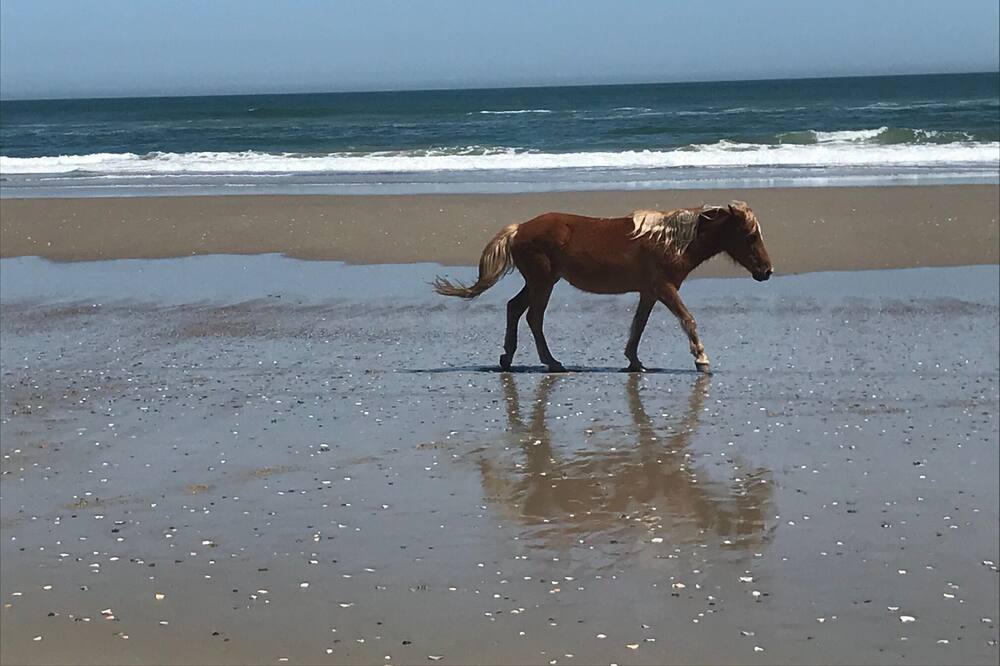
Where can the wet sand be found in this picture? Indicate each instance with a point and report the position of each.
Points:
(807, 229)
(317, 462)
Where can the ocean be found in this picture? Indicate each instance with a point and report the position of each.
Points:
(814, 132)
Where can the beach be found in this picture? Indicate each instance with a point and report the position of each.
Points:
(258, 406)
(808, 229)
(244, 430)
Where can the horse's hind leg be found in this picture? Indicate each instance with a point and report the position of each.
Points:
(538, 300)
(515, 308)
(646, 303)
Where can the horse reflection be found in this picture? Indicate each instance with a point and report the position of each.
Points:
(622, 491)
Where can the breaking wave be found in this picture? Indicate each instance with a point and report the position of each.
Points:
(515, 112)
(856, 148)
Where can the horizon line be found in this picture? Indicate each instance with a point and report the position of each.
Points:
(500, 87)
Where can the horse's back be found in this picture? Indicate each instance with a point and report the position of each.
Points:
(595, 254)
(563, 228)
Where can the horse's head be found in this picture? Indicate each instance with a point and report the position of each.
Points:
(742, 240)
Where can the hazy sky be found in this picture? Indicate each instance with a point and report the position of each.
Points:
(76, 48)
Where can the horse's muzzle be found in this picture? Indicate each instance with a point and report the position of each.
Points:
(760, 277)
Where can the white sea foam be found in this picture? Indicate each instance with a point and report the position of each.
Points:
(515, 112)
(882, 135)
(832, 149)
(736, 110)
(848, 135)
(900, 106)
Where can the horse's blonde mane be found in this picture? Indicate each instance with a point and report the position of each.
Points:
(673, 229)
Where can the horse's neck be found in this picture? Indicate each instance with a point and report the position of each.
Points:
(698, 252)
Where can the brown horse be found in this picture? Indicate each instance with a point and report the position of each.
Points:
(649, 252)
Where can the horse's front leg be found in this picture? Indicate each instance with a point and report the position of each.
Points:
(672, 299)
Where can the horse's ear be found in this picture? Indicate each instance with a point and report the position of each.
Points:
(738, 208)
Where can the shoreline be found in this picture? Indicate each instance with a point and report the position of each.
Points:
(806, 229)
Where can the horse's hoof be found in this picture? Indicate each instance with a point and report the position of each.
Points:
(505, 363)
(557, 367)
(703, 367)
(635, 367)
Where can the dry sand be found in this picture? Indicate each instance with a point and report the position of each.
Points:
(807, 229)
(244, 459)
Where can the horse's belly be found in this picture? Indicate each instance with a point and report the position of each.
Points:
(603, 280)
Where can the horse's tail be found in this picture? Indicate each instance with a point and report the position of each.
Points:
(493, 265)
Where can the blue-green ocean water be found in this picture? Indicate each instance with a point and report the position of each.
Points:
(934, 128)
